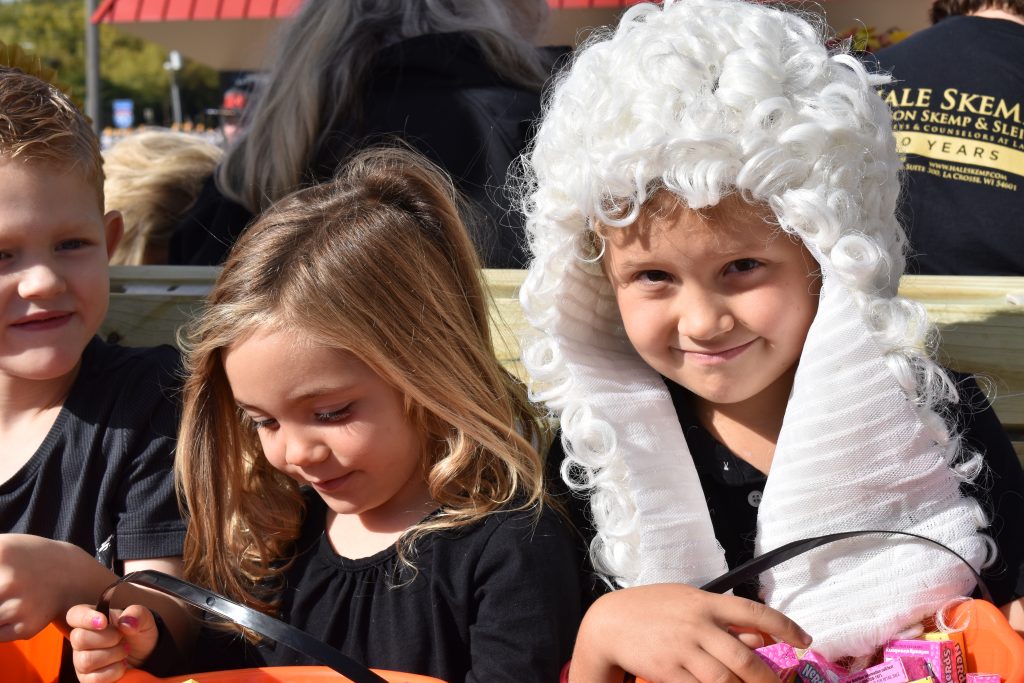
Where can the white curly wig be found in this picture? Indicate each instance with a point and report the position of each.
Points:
(704, 99)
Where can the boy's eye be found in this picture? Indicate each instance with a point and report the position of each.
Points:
(333, 415)
(68, 245)
(743, 265)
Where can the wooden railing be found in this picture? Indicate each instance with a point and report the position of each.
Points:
(980, 321)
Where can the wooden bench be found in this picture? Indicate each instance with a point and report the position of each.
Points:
(980, 320)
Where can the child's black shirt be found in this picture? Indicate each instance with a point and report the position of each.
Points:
(732, 488)
(102, 478)
(498, 600)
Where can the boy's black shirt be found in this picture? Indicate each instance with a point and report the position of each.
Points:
(102, 478)
(439, 94)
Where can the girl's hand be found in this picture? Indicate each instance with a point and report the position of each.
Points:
(103, 652)
(674, 633)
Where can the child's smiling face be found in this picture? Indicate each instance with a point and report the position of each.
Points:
(718, 301)
(54, 283)
(328, 420)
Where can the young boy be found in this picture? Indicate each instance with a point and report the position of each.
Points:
(87, 429)
(716, 256)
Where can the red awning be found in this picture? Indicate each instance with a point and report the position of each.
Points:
(121, 11)
(596, 4)
(232, 35)
(124, 11)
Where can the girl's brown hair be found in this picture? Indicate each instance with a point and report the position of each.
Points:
(379, 264)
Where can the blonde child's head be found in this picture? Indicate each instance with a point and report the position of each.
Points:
(698, 120)
(376, 265)
(55, 239)
(152, 178)
(39, 124)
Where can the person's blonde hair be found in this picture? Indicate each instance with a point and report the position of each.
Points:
(40, 124)
(376, 263)
(153, 177)
(320, 65)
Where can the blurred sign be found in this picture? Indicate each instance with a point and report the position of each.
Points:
(124, 113)
(173, 62)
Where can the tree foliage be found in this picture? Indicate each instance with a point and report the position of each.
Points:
(130, 68)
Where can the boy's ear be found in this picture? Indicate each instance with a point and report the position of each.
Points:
(113, 227)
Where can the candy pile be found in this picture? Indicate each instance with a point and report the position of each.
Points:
(934, 658)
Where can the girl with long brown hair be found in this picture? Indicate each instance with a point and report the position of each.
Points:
(353, 456)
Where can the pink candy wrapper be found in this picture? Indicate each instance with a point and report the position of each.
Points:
(779, 657)
(943, 657)
(809, 672)
(890, 671)
(832, 673)
(983, 678)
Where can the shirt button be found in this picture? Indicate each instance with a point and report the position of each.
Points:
(754, 498)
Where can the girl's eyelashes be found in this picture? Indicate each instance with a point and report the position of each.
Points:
(656, 278)
(253, 423)
(743, 265)
(329, 416)
(652, 276)
(268, 423)
(334, 415)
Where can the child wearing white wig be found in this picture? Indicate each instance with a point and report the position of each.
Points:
(716, 257)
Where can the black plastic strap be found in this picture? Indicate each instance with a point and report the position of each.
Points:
(266, 626)
(752, 568)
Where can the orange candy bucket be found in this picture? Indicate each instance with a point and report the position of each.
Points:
(275, 674)
(990, 643)
(36, 660)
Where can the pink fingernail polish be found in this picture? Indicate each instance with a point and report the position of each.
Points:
(130, 622)
(97, 622)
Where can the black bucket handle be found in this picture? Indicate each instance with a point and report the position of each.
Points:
(751, 568)
(260, 623)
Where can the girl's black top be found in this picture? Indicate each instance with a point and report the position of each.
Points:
(497, 601)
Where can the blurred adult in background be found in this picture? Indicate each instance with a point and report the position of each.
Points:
(234, 103)
(958, 113)
(458, 80)
(153, 178)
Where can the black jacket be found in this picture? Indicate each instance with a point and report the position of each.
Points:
(438, 94)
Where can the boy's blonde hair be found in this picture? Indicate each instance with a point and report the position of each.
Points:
(153, 177)
(379, 264)
(40, 124)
